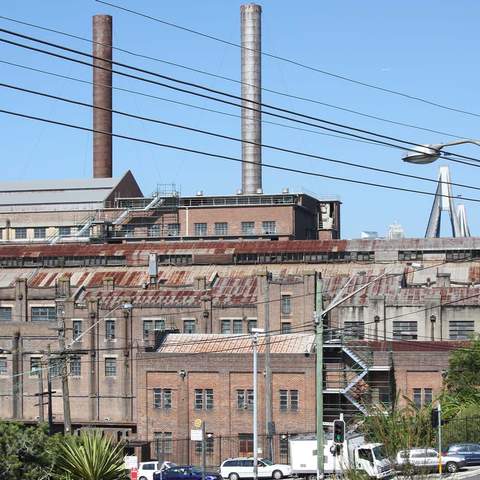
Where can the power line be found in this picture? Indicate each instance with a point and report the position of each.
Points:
(222, 77)
(447, 155)
(189, 105)
(228, 137)
(233, 159)
(296, 63)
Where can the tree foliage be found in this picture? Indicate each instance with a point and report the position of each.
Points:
(90, 456)
(462, 380)
(26, 453)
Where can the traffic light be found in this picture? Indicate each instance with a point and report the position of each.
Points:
(338, 431)
(435, 417)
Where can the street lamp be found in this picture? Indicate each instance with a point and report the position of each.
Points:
(255, 332)
(423, 154)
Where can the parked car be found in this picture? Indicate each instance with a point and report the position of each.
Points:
(183, 472)
(470, 451)
(236, 468)
(428, 459)
(147, 469)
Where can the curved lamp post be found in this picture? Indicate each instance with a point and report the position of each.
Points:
(423, 154)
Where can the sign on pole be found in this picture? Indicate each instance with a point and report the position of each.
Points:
(131, 461)
(196, 435)
(197, 423)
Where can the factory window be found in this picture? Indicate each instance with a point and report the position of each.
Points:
(248, 228)
(189, 326)
(283, 447)
(64, 231)
(154, 230)
(39, 232)
(55, 367)
(404, 330)
(225, 326)
(460, 330)
(251, 324)
(76, 329)
(20, 233)
(245, 399)
(203, 399)
(286, 304)
(109, 329)
(152, 325)
(3, 366)
(200, 229)
(162, 398)
(43, 314)
(237, 326)
(354, 330)
(163, 442)
(286, 327)
(269, 227)
(410, 255)
(221, 228)
(288, 400)
(75, 366)
(422, 397)
(110, 367)
(173, 229)
(35, 366)
(209, 445)
(5, 314)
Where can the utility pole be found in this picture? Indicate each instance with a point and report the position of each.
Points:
(318, 318)
(41, 393)
(255, 332)
(49, 395)
(204, 450)
(65, 390)
(269, 427)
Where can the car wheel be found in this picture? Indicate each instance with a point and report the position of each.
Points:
(142, 478)
(277, 475)
(312, 477)
(451, 467)
(233, 476)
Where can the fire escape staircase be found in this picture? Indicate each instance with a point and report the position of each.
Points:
(359, 368)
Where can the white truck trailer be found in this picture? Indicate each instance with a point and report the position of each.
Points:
(354, 453)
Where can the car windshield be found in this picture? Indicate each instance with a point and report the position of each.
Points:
(379, 452)
(266, 461)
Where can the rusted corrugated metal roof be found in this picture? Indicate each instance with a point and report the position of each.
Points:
(218, 343)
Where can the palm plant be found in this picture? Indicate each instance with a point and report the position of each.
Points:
(90, 456)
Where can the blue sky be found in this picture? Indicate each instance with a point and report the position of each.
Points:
(427, 49)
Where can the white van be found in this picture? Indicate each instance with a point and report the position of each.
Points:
(236, 468)
(147, 469)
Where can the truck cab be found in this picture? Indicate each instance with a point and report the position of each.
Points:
(371, 459)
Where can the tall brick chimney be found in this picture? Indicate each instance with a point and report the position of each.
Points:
(102, 96)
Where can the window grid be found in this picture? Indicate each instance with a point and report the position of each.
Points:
(221, 228)
(35, 365)
(286, 304)
(283, 444)
(289, 400)
(237, 326)
(64, 231)
(163, 442)
(3, 366)
(43, 314)
(189, 326)
(110, 367)
(162, 398)
(245, 399)
(20, 233)
(200, 229)
(109, 329)
(403, 330)
(286, 327)
(5, 314)
(173, 229)
(225, 326)
(203, 399)
(76, 328)
(248, 228)
(39, 232)
(251, 324)
(75, 366)
(269, 227)
(209, 445)
(354, 330)
(461, 329)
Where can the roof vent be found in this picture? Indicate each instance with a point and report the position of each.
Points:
(259, 191)
(286, 190)
(239, 191)
(199, 193)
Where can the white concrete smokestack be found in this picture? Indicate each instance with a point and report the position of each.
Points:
(251, 34)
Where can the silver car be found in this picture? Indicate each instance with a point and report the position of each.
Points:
(428, 459)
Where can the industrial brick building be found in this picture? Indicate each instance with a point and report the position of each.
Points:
(398, 332)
